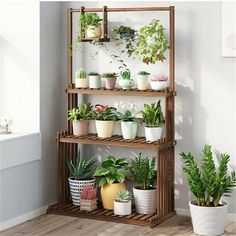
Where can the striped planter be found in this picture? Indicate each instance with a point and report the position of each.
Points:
(77, 186)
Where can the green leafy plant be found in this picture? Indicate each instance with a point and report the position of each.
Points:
(109, 75)
(153, 115)
(143, 171)
(125, 32)
(94, 74)
(152, 42)
(111, 170)
(82, 169)
(126, 74)
(123, 196)
(143, 73)
(83, 112)
(80, 74)
(208, 183)
(104, 112)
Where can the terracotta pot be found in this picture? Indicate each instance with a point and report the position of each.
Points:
(110, 82)
(80, 127)
(104, 128)
(108, 192)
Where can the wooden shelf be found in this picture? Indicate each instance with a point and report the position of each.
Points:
(119, 91)
(116, 140)
(69, 209)
(95, 40)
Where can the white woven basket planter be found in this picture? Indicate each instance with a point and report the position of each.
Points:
(77, 186)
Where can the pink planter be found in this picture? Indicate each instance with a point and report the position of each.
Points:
(110, 82)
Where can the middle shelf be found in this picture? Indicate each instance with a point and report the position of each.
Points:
(115, 140)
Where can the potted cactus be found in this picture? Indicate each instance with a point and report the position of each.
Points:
(122, 203)
(126, 82)
(154, 120)
(94, 80)
(81, 79)
(88, 198)
(81, 175)
(159, 82)
(81, 118)
(110, 79)
(142, 80)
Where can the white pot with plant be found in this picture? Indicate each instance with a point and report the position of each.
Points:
(81, 80)
(90, 25)
(153, 120)
(126, 82)
(145, 194)
(81, 117)
(110, 79)
(5, 125)
(94, 80)
(159, 82)
(142, 80)
(127, 112)
(123, 203)
(105, 118)
(208, 184)
(88, 198)
(81, 175)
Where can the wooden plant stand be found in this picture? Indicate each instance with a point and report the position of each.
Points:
(165, 148)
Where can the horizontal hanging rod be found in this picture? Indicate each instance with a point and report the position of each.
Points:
(122, 9)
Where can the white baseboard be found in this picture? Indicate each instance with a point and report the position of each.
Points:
(22, 218)
(186, 212)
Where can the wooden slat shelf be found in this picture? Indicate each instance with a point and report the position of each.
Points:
(116, 140)
(119, 91)
(69, 209)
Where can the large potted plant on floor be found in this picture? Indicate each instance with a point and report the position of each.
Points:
(208, 184)
(80, 118)
(81, 175)
(112, 176)
(145, 194)
(105, 117)
(123, 203)
(153, 120)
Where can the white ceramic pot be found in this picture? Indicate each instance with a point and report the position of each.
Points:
(94, 32)
(122, 208)
(159, 85)
(95, 81)
(153, 133)
(142, 82)
(126, 83)
(129, 129)
(81, 83)
(104, 128)
(145, 200)
(208, 220)
(77, 186)
(80, 127)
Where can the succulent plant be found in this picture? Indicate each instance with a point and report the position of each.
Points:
(80, 74)
(88, 193)
(109, 75)
(94, 74)
(143, 73)
(123, 196)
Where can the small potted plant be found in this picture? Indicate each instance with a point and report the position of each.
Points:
(90, 25)
(5, 125)
(81, 79)
(94, 80)
(105, 117)
(159, 82)
(88, 198)
(81, 175)
(126, 82)
(81, 118)
(145, 194)
(127, 113)
(122, 203)
(112, 176)
(142, 80)
(208, 184)
(110, 79)
(125, 32)
(154, 120)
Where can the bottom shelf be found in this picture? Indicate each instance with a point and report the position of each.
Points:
(68, 209)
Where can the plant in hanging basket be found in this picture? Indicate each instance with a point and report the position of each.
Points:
(88, 198)
(208, 184)
(122, 203)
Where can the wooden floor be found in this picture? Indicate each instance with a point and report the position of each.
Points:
(69, 226)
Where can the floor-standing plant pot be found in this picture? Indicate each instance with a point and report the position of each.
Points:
(81, 83)
(145, 200)
(93, 32)
(159, 85)
(80, 127)
(129, 129)
(122, 208)
(126, 83)
(108, 192)
(110, 83)
(104, 128)
(142, 82)
(153, 133)
(208, 220)
(77, 186)
(94, 81)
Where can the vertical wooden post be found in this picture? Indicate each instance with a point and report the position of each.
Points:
(104, 30)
